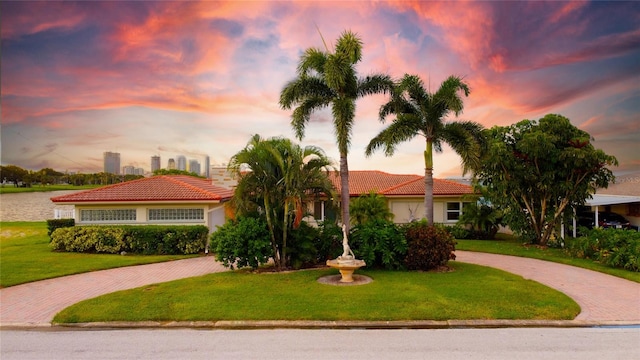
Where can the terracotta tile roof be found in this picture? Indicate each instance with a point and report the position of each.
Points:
(362, 182)
(155, 188)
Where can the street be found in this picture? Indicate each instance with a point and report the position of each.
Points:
(507, 343)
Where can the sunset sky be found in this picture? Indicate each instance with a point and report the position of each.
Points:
(194, 78)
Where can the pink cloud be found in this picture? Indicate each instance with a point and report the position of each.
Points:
(39, 18)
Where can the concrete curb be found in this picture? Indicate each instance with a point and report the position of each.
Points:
(308, 325)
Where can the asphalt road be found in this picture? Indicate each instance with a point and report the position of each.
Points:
(507, 343)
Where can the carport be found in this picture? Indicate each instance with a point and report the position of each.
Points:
(605, 200)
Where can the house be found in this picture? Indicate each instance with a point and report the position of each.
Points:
(158, 200)
(182, 199)
(404, 195)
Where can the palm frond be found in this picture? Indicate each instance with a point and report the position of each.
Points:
(467, 140)
(403, 128)
(350, 45)
(313, 59)
(374, 84)
(344, 112)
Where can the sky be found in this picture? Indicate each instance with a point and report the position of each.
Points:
(190, 78)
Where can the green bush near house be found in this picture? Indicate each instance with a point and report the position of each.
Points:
(429, 246)
(147, 240)
(612, 247)
(380, 243)
(242, 242)
(53, 224)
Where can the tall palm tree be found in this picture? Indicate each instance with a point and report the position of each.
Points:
(419, 112)
(281, 176)
(329, 79)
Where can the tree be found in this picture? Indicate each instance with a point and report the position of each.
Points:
(483, 219)
(13, 174)
(276, 176)
(535, 171)
(419, 112)
(368, 208)
(176, 172)
(330, 79)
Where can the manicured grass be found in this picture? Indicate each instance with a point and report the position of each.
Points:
(468, 292)
(26, 256)
(506, 245)
(42, 188)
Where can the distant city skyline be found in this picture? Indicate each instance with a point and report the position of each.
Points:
(199, 78)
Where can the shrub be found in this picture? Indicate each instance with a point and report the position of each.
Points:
(301, 249)
(612, 247)
(459, 232)
(371, 207)
(109, 240)
(243, 242)
(429, 247)
(380, 244)
(328, 244)
(53, 224)
(135, 239)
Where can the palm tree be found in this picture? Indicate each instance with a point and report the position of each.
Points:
(281, 176)
(419, 112)
(330, 79)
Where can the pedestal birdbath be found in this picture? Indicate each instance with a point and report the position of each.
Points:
(347, 262)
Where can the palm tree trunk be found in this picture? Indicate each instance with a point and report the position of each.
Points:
(344, 190)
(428, 182)
(285, 228)
(267, 210)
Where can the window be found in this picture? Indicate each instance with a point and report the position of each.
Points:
(318, 210)
(176, 214)
(111, 215)
(454, 210)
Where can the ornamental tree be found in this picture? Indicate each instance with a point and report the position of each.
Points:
(534, 171)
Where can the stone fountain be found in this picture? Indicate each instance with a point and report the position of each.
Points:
(347, 262)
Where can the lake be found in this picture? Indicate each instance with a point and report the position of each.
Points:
(35, 206)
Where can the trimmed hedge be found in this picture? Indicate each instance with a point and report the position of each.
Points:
(53, 224)
(147, 240)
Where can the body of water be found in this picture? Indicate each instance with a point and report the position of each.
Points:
(35, 206)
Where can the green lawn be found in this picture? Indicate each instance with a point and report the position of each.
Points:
(26, 256)
(41, 188)
(468, 292)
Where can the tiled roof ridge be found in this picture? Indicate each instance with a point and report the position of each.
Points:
(175, 179)
(397, 186)
(101, 188)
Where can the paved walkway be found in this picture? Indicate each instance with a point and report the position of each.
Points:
(601, 297)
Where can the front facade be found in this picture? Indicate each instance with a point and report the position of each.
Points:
(404, 195)
(158, 200)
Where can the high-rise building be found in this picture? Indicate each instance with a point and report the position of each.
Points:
(128, 170)
(194, 166)
(138, 171)
(111, 162)
(171, 165)
(155, 163)
(207, 166)
(181, 162)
